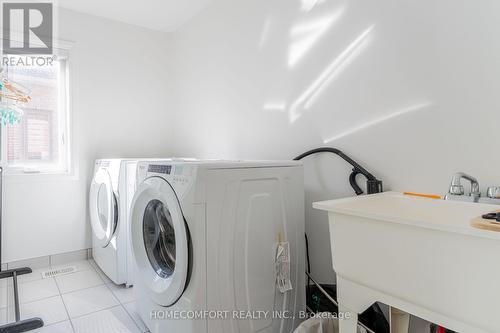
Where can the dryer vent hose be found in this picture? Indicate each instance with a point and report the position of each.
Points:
(373, 185)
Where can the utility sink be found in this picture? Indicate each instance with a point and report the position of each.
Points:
(416, 254)
(446, 215)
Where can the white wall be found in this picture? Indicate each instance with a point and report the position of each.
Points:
(411, 88)
(408, 88)
(119, 108)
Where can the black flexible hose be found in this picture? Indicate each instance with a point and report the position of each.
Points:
(373, 184)
(308, 264)
(352, 181)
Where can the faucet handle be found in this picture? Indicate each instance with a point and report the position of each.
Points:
(493, 192)
(457, 189)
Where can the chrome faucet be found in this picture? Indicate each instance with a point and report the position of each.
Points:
(456, 191)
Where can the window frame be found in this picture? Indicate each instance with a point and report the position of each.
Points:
(65, 166)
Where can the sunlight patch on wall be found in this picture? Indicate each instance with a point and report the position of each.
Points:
(308, 5)
(274, 107)
(338, 65)
(376, 121)
(305, 34)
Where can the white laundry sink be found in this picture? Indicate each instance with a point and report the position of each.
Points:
(419, 255)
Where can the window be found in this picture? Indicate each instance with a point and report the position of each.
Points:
(39, 142)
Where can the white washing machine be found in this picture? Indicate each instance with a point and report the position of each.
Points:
(204, 238)
(111, 193)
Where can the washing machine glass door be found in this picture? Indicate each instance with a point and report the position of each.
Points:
(160, 240)
(103, 208)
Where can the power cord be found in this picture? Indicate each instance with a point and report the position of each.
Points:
(373, 185)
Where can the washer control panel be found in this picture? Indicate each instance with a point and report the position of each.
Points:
(158, 168)
(179, 176)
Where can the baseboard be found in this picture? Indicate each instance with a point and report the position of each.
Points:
(52, 260)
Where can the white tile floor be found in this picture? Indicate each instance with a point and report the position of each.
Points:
(82, 302)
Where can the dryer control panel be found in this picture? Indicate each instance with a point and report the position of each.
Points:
(112, 167)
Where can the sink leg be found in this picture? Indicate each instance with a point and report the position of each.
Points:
(348, 324)
(400, 321)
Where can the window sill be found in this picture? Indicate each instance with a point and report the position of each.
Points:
(42, 177)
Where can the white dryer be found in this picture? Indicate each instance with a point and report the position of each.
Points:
(204, 237)
(111, 193)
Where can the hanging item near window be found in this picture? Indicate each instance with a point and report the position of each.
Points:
(12, 97)
(10, 114)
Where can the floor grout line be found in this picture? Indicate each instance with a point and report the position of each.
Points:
(112, 293)
(38, 300)
(45, 298)
(86, 288)
(52, 277)
(32, 301)
(65, 307)
(8, 309)
(130, 315)
(96, 311)
(123, 307)
(104, 284)
(57, 322)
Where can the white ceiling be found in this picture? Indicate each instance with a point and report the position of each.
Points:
(162, 15)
